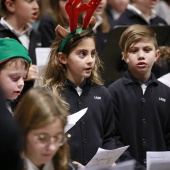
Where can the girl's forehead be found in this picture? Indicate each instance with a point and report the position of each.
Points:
(86, 43)
(52, 128)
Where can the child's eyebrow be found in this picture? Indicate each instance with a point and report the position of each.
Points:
(16, 73)
(82, 49)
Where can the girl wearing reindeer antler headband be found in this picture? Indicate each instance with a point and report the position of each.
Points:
(72, 71)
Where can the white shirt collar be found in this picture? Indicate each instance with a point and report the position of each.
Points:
(115, 14)
(143, 86)
(30, 166)
(8, 105)
(18, 34)
(79, 90)
(137, 11)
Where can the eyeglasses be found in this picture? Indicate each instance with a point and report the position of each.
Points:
(44, 139)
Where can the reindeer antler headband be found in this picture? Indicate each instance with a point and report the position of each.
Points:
(73, 9)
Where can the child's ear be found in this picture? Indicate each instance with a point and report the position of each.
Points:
(126, 59)
(61, 32)
(62, 58)
(10, 5)
(157, 55)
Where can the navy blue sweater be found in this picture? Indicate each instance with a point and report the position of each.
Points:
(95, 128)
(143, 120)
(129, 18)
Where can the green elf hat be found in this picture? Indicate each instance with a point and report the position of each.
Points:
(11, 48)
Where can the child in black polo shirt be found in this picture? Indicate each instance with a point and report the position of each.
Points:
(141, 103)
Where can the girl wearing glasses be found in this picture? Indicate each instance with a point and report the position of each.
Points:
(42, 118)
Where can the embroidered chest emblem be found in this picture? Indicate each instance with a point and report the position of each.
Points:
(97, 97)
(162, 99)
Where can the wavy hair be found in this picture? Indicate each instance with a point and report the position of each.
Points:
(55, 73)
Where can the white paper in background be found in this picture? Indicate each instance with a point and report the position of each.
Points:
(73, 118)
(42, 55)
(158, 160)
(105, 158)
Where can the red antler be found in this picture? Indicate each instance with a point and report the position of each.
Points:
(73, 12)
(93, 4)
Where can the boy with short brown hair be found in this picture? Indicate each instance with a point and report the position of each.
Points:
(141, 102)
(14, 66)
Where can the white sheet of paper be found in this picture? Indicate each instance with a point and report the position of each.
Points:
(158, 160)
(105, 158)
(42, 55)
(72, 119)
(68, 126)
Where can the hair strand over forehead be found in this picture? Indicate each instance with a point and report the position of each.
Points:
(135, 33)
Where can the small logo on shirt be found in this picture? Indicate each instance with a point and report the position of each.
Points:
(162, 99)
(97, 97)
(39, 44)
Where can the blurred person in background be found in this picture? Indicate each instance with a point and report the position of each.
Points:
(55, 15)
(115, 8)
(164, 58)
(42, 128)
(17, 17)
(102, 27)
(163, 10)
(140, 12)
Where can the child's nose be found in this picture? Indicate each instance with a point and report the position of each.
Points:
(35, 5)
(90, 59)
(21, 82)
(52, 146)
(141, 54)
